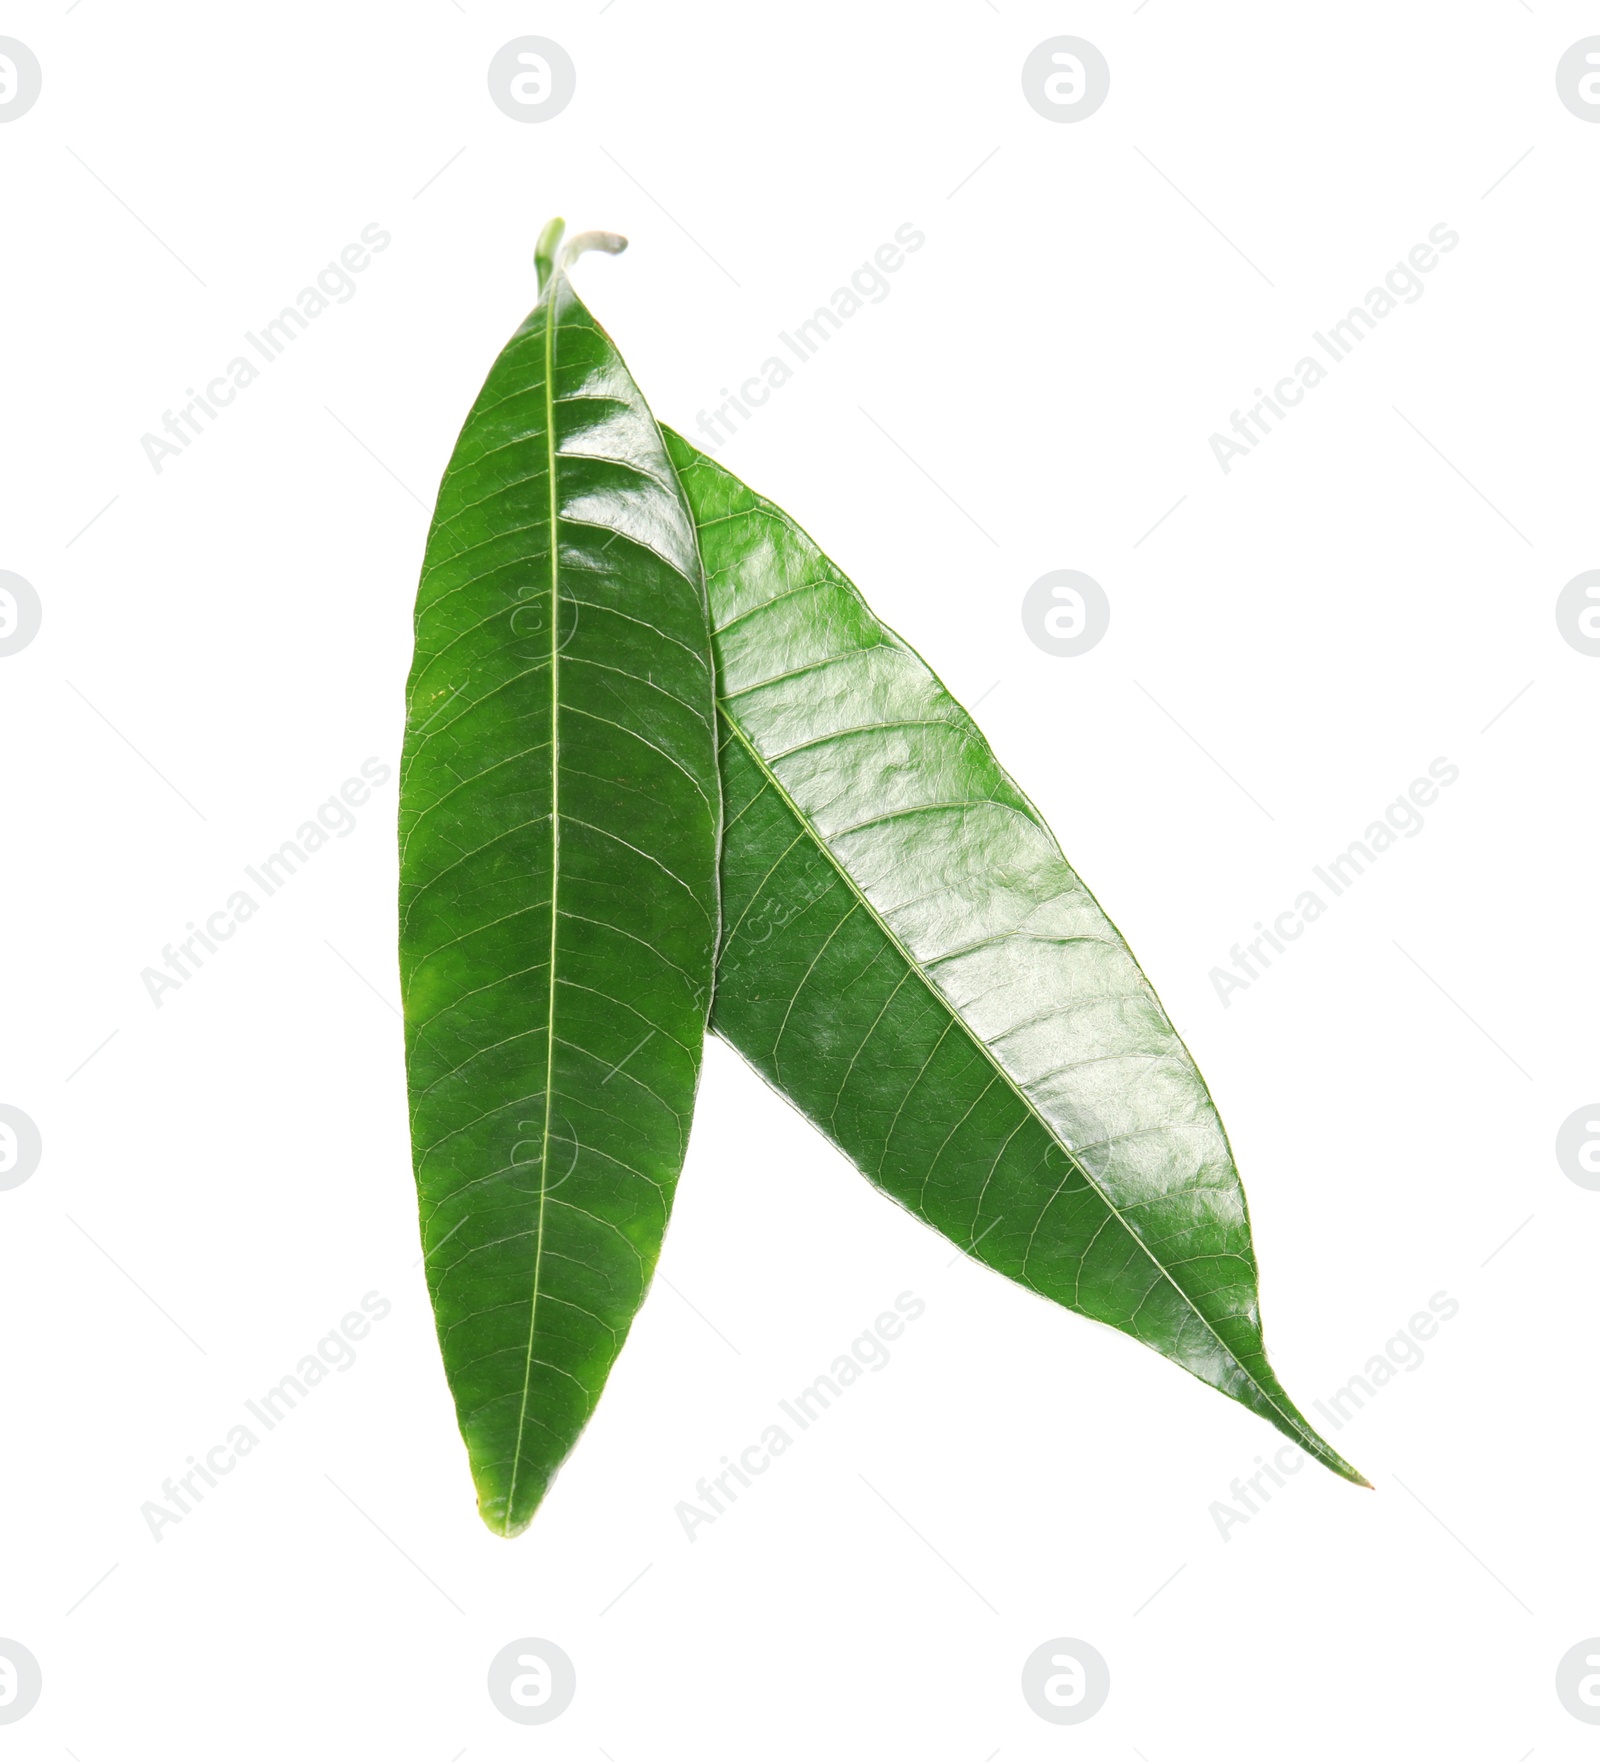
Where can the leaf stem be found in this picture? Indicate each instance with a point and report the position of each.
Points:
(544, 252)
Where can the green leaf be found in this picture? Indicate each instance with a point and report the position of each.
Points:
(560, 812)
(908, 957)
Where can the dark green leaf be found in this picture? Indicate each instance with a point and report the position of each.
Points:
(559, 821)
(908, 957)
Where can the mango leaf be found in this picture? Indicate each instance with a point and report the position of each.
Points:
(559, 819)
(909, 959)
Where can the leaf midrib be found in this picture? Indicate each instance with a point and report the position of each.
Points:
(1298, 1427)
(555, 880)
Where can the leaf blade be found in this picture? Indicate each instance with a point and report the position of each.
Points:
(560, 812)
(908, 957)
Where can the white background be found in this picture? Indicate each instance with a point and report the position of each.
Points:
(1347, 604)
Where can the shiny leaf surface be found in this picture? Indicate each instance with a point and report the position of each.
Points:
(559, 822)
(908, 957)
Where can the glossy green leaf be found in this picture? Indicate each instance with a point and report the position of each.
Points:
(908, 957)
(559, 819)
